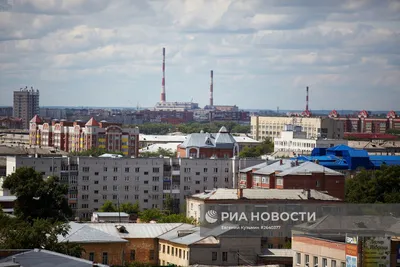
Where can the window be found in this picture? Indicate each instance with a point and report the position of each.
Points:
(146, 173)
(91, 256)
(104, 196)
(151, 256)
(115, 187)
(104, 188)
(105, 258)
(146, 182)
(85, 178)
(115, 178)
(127, 178)
(317, 183)
(307, 260)
(104, 178)
(226, 179)
(187, 170)
(115, 169)
(163, 248)
(172, 251)
(315, 261)
(96, 173)
(133, 255)
(96, 182)
(167, 249)
(197, 173)
(279, 181)
(226, 169)
(85, 169)
(126, 187)
(156, 170)
(298, 258)
(205, 179)
(214, 256)
(137, 169)
(156, 179)
(324, 262)
(180, 253)
(197, 182)
(215, 170)
(215, 179)
(342, 264)
(205, 170)
(224, 256)
(105, 169)
(333, 263)
(187, 179)
(126, 169)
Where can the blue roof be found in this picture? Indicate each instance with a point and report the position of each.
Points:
(378, 161)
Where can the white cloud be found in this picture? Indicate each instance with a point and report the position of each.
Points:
(263, 52)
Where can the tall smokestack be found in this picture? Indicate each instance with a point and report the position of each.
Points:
(307, 100)
(163, 77)
(212, 88)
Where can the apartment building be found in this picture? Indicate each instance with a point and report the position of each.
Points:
(294, 141)
(26, 105)
(314, 127)
(92, 180)
(80, 136)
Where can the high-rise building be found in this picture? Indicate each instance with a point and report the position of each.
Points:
(26, 105)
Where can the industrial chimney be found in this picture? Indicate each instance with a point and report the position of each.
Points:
(307, 100)
(163, 78)
(211, 89)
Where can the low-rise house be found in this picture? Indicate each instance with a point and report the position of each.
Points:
(7, 203)
(110, 217)
(41, 257)
(99, 246)
(188, 245)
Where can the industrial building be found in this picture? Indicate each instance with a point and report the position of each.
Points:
(348, 160)
(26, 105)
(80, 136)
(93, 180)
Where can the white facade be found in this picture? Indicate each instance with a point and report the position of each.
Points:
(176, 106)
(271, 127)
(92, 181)
(294, 140)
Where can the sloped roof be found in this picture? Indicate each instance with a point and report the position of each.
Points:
(111, 214)
(281, 194)
(92, 122)
(36, 119)
(258, 166)
(271, 168)
(209, 140)
(135, 230)
(307, 168)
(45, 258)
(82, 233)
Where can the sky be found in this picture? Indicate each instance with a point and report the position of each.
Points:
(263, 52)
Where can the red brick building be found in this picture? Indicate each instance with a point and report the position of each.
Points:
(288, 174)
(207, 145)
(364, 123)
(11, 123)
(80, 136)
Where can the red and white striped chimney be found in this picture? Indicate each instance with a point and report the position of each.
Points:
(163, 78)
(212, 88)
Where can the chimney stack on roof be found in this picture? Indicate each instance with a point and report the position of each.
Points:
(240, 193)
(281, 162)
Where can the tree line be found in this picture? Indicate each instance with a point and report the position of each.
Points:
(192, 127)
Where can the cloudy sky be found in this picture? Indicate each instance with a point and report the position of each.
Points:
(263, 52)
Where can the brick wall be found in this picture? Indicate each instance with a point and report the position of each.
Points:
(114, 250)
(142, 248)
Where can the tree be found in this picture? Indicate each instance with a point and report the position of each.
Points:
(38, 198)
(265, 147)
(176, 218)
(169, 204)
(108, 206)
(130, 208)
(159, 152)
(378, 186)
(150, 215)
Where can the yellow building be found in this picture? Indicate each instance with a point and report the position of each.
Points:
(271, 127)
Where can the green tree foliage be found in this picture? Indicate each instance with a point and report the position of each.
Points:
(94, 152)
(176, 218)
(393, 131)
(151, 215)
(160, 151)
(108, 206)
(169, 204)
(266, 147)
(379, 186)
(41, 211)
(163, 217)
(193, 127)
(38, 198)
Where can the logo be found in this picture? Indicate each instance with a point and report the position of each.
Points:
(211, 216)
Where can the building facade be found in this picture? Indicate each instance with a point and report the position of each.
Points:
(314, 127)
(79, 136)
(92, 181)
(206, 145)
(11, 123)
(364, 123)
(294, 141)
(26, 105)
(6, 111)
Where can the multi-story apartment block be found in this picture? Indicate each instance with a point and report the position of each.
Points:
(6, 111)
(314, 127)
(92, 180)
(26, 105)
(79, 136)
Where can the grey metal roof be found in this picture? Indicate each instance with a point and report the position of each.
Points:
(135, 230)
(222, 139)
(82, 233)
(307, 168)
(45, 258)
(111, 214)
(334, 224)
(278, 253)
(267, 170)
(232, 194)
(258, 166)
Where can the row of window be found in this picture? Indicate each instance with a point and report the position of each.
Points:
(205, 170)
(177, 252)
(316, 262)
(116, 169)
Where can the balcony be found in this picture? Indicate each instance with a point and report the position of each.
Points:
(176, 172)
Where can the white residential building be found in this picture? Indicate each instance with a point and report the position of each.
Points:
(92, 180)
(293, 140)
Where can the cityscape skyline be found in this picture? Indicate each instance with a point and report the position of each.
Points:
(263, 53)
